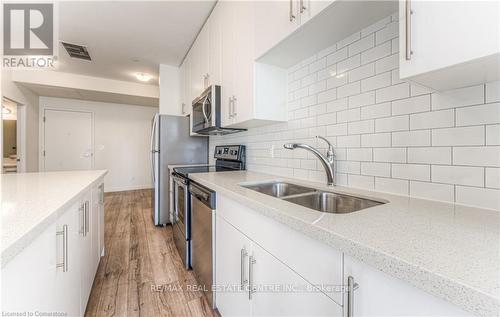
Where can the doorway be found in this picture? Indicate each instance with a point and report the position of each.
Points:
(10, 136)
(67, 140)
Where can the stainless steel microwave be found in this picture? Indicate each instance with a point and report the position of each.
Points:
(207, 113)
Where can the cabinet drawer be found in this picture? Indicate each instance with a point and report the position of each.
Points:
(316, 262)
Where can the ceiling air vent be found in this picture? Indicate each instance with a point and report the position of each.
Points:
(77, 51)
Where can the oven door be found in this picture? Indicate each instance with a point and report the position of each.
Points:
(204, 110)
(181, 205)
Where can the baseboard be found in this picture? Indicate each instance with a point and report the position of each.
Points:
(125, 188)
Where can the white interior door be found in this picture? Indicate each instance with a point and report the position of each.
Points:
(67, 140)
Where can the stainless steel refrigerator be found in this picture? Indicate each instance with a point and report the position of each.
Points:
(171, 143)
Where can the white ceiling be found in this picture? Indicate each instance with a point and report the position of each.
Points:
(126, 37)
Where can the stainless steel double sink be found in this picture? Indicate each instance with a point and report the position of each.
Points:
(323, 201)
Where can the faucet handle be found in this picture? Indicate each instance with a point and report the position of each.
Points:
(329, 153)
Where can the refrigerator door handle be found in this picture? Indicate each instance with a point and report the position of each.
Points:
(153, 151)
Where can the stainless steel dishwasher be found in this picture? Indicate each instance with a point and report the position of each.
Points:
(203, 238)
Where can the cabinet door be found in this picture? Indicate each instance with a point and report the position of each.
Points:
(215, 46)
(379, 294)
(228, 59)
(274, 20)
(86, 257)
(94, 229)
(243, 67)
(67, 282)
(28, 279)
(308, 9)
(231, 269)
(289, 295)
(182, 81)
(440, 36)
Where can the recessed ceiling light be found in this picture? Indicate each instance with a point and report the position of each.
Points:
(143, 76)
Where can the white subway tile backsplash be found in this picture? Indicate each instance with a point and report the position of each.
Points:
(493, 92)
(458, 97)
(399, 123)
(411, 171)
(361, 72)
(461, 175)
(327, 95)
(388, 63)
(361, 181)
(394, 155)
(492, 177)
(481, 197)
(361, 45)
(389, 134)
(390, 185)
(433, 191)
(458, 136)
(376, 140)
(349, 115)
(411, 105)
(367, 98)
(387, 33)
(430, 155)
(375, 82)
(484, 114)
(433, 119)
(349, 89)
(399, 91)
(360, 127)
(360, 154)
(477, 156)
(412, 138)
(493, 134)
(376, 169)
(337, 56)
(348, 64)
(375, 53)
(376, 111)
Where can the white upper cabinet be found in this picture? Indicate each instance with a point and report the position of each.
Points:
(449, 44)
(274, 20)
(215, 47)
(199, 61)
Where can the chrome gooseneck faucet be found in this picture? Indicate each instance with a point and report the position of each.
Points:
(327, 161)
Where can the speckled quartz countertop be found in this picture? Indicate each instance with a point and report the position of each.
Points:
(450, 251)
(30, 202)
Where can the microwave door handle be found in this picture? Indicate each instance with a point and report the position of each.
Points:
(203, 109)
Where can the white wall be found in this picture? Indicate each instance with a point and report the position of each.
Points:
(389, 135)
(121, 138)
(28, 113)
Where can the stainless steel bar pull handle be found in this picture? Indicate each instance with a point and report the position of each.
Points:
(64, 234)
(82, 219)
(230, 107)
(234, 106)
(251, 288)
(408, 13)
(243, 257)
(351, 287)
(292, 17)
(87, 217)
(302, 6)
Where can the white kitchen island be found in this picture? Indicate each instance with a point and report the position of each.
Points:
(52, 239)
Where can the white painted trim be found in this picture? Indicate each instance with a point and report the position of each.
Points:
(41, 143)
(126, 188)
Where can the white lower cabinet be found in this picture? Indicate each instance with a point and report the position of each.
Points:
(379, 294)
(252, 282)
(281, 265)
(56, 271)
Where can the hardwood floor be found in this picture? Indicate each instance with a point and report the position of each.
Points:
(141, 273)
